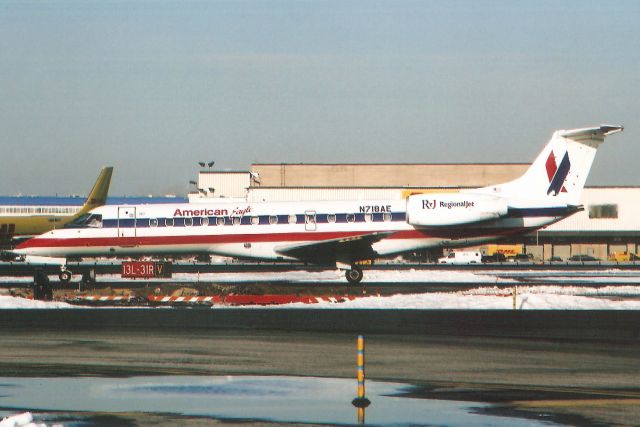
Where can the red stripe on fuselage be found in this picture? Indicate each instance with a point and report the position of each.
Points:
(42, 242)
(185, 240)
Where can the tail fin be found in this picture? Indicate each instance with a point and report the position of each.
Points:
(98, 195)
(560, 171)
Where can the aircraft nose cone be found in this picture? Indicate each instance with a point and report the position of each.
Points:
(23, 248)
(19, 252)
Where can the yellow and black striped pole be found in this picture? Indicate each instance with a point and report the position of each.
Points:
(360, 401)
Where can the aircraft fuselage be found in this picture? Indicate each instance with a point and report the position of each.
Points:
(259, 230)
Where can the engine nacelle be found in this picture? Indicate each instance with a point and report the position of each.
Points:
(442, 209)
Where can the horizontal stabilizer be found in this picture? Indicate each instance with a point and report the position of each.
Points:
(602, 130)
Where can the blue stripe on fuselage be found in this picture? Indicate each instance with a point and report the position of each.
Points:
(339, 218)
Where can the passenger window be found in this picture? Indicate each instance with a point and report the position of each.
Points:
(168, 222)
(386, 217)
(368, 217)
(273, 219)
(220, 220)
(292, 219)
(188, 222)
(153, 222)
(331, 218)
(255, 220)
(204, 221)
(236, 220)
(351, 217)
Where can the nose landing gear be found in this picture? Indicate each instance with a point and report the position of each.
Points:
(64, 276)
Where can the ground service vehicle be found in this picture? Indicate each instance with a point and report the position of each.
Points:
(623, 257)
(495, 257)
(583, 258)
(461, 257)
(523, 258)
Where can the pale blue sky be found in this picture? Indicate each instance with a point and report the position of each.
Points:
(154, 87)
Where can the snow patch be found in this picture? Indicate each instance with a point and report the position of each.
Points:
(528, 298)
(17, 302)
(20, 420)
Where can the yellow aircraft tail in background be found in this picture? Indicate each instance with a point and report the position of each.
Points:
(98, 195)
(15, 228)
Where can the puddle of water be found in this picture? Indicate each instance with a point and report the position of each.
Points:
(268, 398)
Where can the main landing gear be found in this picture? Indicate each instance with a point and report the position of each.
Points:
(88, 277)
(354, 275)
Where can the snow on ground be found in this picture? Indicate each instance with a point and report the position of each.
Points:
(431, 276)
(337, 276)
(481, 298)
(531, 296)
(410, 275)
(324, 276)
(17, 302)
(20, 420)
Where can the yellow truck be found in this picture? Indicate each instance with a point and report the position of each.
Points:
(507, 250)
(623, 256)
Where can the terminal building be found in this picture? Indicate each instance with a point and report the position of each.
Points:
(66, 205)
(608, 224)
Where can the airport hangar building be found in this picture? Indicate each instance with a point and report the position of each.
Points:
(610, 221)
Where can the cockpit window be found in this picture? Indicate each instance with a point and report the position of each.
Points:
(78, 221)
(86, 220)
(95, 221)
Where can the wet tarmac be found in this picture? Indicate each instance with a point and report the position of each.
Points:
(309, 400)
(576, 368)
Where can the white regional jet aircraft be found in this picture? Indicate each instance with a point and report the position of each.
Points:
(340, 232)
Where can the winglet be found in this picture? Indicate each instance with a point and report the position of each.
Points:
(98, 195)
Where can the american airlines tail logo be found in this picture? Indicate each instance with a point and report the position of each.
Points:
(557, 174)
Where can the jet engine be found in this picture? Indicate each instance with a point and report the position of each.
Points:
(444, 209)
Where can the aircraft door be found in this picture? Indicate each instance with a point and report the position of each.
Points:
(127, 221)
(310, 220)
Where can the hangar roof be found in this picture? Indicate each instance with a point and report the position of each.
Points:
(385, 174)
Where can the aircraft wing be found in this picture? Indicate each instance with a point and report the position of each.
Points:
(352, 248)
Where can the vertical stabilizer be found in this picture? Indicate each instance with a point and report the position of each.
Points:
(557, 176)
(98, 195)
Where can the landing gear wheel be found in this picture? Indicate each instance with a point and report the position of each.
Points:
(354, 275)
(65, 276)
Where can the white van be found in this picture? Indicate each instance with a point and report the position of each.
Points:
(463, 257)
